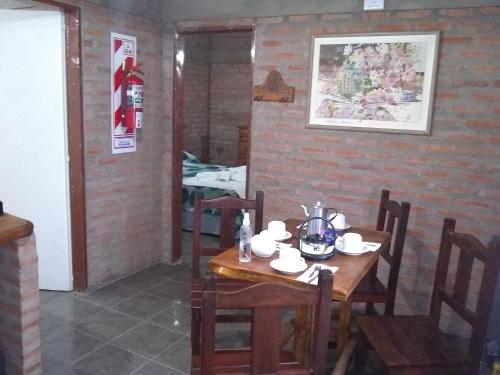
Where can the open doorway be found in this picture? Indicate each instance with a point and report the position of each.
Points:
(212, 116)
(44, 159)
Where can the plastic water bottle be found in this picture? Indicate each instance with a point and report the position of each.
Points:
(245, 237)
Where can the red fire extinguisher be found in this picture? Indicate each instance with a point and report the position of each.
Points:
(132, 99)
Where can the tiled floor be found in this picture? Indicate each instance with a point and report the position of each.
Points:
(137, 325)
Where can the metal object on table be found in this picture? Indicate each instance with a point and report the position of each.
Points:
(317, 245)
(315, 215)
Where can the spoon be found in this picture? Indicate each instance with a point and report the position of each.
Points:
(314, 274)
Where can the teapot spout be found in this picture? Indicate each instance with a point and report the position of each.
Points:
(305, 210)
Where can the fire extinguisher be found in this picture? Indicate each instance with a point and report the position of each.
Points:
(132, 99)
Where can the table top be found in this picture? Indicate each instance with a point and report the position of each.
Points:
(351, 268)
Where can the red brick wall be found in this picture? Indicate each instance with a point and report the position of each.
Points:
(19, 307)
(196, 93)
(454, 172)
(230, 94)
(122, 191)
(217, 93)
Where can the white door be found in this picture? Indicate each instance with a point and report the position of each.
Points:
(33, 139)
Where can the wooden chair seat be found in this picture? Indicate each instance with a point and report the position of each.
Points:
(404, 342)
(413, 345)
(370, 291)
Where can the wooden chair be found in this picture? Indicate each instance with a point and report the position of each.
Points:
(415, 344)
(371, 290)
(267, 301)
(228, 207)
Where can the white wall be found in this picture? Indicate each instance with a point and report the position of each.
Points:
(33, 167)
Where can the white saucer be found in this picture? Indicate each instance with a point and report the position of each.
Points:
(366, 248)
(283, 236)
(279, 266)
(347, 226)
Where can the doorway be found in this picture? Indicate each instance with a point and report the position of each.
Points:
(212, 115)
(42, 172)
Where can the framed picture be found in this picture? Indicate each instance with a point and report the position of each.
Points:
(376, 82)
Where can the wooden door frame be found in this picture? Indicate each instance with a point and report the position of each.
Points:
(178, 124)
(72, 18)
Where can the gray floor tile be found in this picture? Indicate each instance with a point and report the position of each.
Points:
(153, 368)
(171, 290)
(177, 356)
(177, 318)
(109, 295)
(179, 272)
(53, 367)
(162, 269)
(67, 346)
(71, 309)
(49, 327)
(107, 324)
(49, 296)
(142, 306)
(140, 281)
(108, 360)
(147, 339)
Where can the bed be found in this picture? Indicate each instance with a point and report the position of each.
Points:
(212, 181)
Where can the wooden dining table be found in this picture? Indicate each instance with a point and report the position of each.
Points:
(351, 270)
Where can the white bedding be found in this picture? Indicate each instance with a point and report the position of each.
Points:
(229, 179)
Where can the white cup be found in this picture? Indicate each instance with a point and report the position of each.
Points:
(263, 246)
(339, 221)
(350, 242)
(277, 228)
(290, 257)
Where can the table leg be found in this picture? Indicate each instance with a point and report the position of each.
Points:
(344, 325)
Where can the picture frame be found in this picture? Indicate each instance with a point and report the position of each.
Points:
(380, 82)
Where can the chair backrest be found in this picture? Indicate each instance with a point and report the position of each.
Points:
(267, 301)
(391, 214)
(229, 207)
(470, 249)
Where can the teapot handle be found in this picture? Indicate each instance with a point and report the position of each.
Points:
(328, 222)
(334, 216)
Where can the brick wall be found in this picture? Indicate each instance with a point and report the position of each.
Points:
(454, 172)
(196, 93)
(122, 191)
(230, 94)
(19, 307)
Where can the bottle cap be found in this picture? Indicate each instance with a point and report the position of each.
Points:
(246, 218)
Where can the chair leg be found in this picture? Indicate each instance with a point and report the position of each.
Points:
(195, 336)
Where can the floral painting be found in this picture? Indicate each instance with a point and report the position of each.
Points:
(373, 82)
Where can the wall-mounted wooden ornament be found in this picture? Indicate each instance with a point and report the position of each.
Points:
(274, 90)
